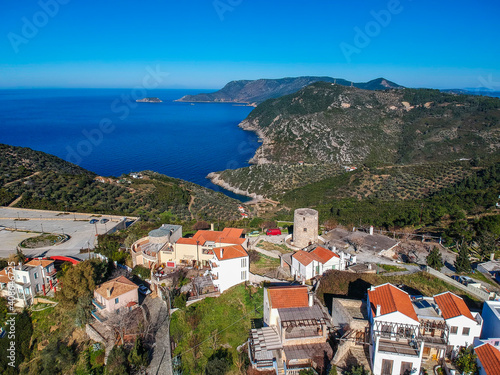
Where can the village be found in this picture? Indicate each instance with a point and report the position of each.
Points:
(390, 329)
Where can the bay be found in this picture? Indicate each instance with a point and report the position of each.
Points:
(107, 132)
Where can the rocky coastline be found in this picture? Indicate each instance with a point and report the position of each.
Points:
(214, 177)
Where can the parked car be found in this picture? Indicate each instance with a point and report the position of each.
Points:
(255, 233)
(273, 232)
(466, 280)
(93, 221)
(144, 290)
(103, 221)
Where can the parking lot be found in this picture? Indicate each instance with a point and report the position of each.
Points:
(18, 224)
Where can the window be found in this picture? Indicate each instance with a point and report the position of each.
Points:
(305, 229)
(453, 330)
(243, 262)
(466, 331)
(35, 275)
(116, 300)
(37, 288)
(243, 275)
(497, 343)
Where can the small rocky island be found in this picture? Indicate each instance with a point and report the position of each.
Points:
(149, 100)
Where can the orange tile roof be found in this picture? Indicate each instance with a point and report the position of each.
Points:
(186, 241)
(452, 305)
(228, 235)
(490, 358)
(230, 252)
(391, 299)
(118, 286)
(324, 254)
(4, 278)
(284, 297)
(303, 257)
(39, 262)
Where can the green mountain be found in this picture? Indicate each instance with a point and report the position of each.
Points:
(259, 90)
(34, 179)
(330, 123)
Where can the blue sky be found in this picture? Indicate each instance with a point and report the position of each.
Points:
(204, 44)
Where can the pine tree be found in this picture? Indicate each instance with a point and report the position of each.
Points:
(462, 264)
(434, 259)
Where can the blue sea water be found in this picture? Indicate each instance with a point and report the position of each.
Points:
(107, 132)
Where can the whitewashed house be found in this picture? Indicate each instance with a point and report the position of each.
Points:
(24, 282)
(306, 265)
(405, 330)
(229, 266)
(463, 325)
(295, 332)
(394, 325)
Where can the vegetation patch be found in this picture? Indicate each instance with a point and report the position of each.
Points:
(205, 327)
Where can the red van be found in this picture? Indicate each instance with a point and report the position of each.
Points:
(273, 232)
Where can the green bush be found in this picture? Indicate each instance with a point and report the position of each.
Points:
(142, 272)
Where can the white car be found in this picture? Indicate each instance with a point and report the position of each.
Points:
(144, 290)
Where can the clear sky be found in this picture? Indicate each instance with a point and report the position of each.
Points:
(205, 44)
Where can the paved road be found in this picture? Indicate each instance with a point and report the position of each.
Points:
(161, 363)
(24, 223)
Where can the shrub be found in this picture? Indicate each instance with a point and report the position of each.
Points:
(142, 272)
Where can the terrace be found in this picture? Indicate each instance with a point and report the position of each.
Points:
(401, 347)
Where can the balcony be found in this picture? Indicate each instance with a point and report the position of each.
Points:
(207, 251)
(50, 273)
(97, 304)
(152, 257)
(401, 347)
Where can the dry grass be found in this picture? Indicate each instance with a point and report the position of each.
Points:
(271, 246)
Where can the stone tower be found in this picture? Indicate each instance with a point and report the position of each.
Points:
(305, 227)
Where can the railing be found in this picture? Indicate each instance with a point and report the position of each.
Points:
(98, 305)
(207, 251)
(150, 257)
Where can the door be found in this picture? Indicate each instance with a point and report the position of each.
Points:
(427, 351)
(387, 367)
(406, 368)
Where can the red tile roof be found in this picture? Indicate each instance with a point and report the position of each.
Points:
(391, 299)
(452, 305)
(186, 241)
(39, 262)
(230, 252)
(324, 255)
(284, 297)
(490, 358)
(4, 277)
(228, 235)
(117, 287)
(303, 257)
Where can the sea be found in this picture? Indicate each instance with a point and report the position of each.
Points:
(107, 132)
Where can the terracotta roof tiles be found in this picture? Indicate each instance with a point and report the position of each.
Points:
(118, 286)
(303, 257)
(452, 306)
(230, 252)
(324, 254)
(288, 297)
(489, 358)
(391, 299)
(39, 262)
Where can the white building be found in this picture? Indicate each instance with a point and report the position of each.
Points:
(229, 266)
(294, 336)
(28, 280)
(306, 265)
(405, 330)
(393, 328)
(464, 326)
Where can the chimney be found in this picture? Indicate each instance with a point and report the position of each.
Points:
(371, 230)
(369, 266)
(492, 256)
(311, 299)
(108, 292)
(378, 310)
(212, 226)
(222, 253)
(372, 288)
